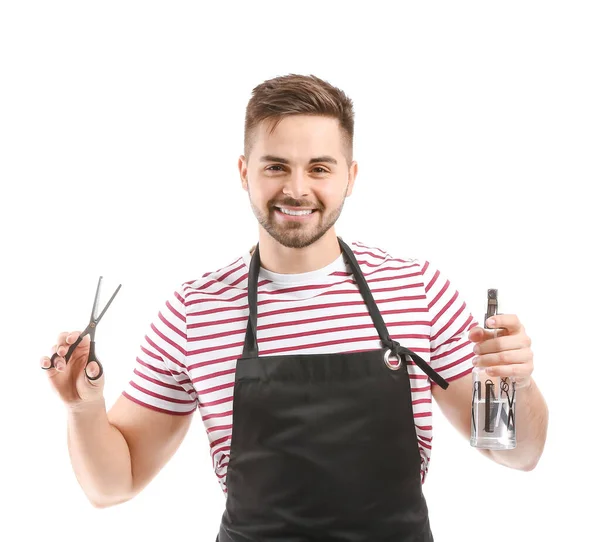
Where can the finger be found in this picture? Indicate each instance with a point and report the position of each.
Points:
(75, 339)
(60, 364)
(59, 347)
(517, 370)
(506, 357)
(479, 334)
(53, 350)
(69, 340)
(500, 343)
(72, 337)
(45, 362)
(510, 322)
(59, 361)
(56, 358)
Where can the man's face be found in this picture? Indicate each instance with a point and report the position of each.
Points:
(297, 178)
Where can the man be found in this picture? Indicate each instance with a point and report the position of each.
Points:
(312, 362)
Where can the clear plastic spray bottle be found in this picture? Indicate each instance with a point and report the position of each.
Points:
(493, 403)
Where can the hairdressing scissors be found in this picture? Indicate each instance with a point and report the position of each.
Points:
(91, 331)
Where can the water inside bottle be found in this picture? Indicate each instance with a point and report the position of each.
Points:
(496, 431)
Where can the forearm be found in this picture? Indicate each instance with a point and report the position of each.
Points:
(99, 455)
(531, 428)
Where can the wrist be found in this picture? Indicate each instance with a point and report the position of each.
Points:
(523, 384)
(86, 407)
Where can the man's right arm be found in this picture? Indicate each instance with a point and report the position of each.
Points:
(116, 454)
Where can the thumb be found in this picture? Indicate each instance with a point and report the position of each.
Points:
(92, 371)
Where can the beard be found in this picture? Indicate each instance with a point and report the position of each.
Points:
(297, 234)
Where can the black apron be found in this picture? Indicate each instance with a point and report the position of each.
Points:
(324, 446)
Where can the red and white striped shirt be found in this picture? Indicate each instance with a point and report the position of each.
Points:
(188, 358)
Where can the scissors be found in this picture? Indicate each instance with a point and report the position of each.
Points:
(91, 331)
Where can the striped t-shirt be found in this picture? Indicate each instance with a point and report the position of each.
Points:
(188, 358)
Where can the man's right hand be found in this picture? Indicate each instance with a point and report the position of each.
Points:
(69, 379)
(115, 454)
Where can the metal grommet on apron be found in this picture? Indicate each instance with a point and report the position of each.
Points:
(386, 359)
(324, 446)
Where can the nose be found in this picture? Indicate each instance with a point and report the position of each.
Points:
(296, 184)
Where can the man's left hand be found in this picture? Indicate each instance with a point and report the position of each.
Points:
(509, 354)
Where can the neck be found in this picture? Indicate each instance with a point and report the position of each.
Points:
(276, 258)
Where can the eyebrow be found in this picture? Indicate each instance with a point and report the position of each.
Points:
(271, 158)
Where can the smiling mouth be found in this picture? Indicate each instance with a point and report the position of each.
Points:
(295, 212)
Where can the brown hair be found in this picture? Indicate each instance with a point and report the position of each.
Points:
(298, 95)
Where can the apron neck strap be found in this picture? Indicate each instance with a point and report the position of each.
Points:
(250, 343)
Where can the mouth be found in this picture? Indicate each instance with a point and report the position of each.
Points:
(294, 213)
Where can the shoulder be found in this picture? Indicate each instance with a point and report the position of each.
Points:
(215, 282)
(371, 257)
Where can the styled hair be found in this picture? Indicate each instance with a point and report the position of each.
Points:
(294, 94)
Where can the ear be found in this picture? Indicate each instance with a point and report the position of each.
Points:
(243, 169)
(352, 173)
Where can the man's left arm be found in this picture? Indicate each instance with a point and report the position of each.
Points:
(508, 354)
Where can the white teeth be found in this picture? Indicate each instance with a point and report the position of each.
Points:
(295, 213)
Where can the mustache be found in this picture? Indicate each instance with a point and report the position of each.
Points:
(294, 203)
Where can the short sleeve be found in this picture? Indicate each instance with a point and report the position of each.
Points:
(160, 379)
(451, 321)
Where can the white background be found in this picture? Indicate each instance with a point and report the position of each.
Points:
(477, 138)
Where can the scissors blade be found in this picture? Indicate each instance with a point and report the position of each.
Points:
(107, 305)
(95, 307)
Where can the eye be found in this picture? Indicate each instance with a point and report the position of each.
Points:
(323, 170)
(270, 168)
